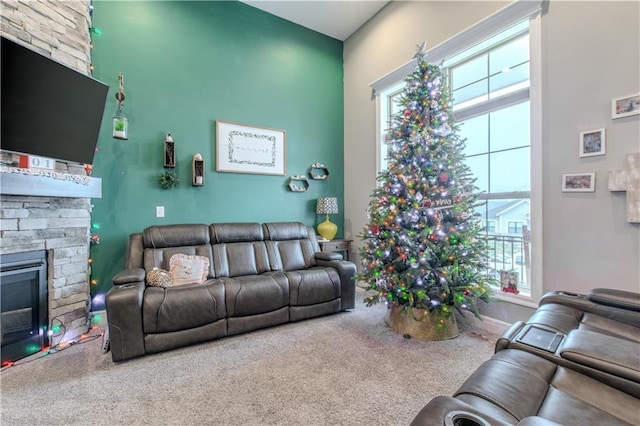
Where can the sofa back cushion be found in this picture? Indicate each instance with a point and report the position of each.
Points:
(236, 259)
(235, 232)
(161, 236)
(161, 242)
(238, 249)
(289, 246)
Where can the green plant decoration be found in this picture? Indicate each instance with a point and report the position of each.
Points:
(119, 126)
(168, 180)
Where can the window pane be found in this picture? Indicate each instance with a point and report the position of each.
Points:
(394, 104)
(510, 127)
(473, 91)
(509, 54)
(476, 132)
(469, 72)
(510, 170)
(503, 80)
(480, 169)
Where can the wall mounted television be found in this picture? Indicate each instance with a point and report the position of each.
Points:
(48, 109)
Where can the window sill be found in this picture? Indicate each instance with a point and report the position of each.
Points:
(515, 299)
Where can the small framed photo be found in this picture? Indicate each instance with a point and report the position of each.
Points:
(592, 142)
(579, 182)
(625, 106)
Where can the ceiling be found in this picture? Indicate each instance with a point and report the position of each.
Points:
(335, 18)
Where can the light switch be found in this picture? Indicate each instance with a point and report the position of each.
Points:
(159, 211)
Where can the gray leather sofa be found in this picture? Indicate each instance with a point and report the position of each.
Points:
(576, 361)
(260, 275)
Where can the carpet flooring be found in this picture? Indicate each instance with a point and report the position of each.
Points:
(344, 369)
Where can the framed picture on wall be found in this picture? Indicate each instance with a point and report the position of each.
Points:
(250, 149)
(592, 142)
(579, 182)
(625, 106)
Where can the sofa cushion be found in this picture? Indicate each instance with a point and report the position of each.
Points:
(237, 259)
(235, 232)
(315, 285)
(282, 231)
(161, 236)
(161, 257)
(187, 269)
(159, 278)
(179, 308)
(256, 294)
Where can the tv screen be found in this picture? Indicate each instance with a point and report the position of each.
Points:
(48, 109)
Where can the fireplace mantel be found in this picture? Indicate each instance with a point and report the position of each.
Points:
(47, 186)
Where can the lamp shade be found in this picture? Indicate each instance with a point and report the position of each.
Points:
(327, 205)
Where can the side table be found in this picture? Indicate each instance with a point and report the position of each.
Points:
(337, 245)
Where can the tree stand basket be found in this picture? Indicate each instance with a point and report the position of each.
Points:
(421, 324)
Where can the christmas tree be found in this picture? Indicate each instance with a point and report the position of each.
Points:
(424, 246)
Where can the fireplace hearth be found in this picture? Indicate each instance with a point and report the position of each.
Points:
(23, 301)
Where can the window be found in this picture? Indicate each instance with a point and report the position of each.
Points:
(494, 75)
(515, 227)
(489, 84)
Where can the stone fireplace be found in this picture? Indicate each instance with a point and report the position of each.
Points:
(52, 212)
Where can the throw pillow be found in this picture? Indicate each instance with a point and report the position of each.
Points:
(159, 278)
(186, 269)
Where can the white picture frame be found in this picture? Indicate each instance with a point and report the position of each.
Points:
(242, 148)
(625, 106)
(579, 182)
(592, 143)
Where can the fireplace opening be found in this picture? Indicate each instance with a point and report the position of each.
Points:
(23, 301)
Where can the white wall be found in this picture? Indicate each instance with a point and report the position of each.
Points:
(590, 54)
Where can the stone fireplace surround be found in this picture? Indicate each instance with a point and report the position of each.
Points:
(53, 214)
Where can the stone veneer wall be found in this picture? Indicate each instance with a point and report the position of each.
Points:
(61, 226)
(55, 28)
(60, 30)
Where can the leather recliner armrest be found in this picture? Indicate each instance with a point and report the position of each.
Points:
(129, 276)
(328, 256)
(124, 316)
(347, 271)
(616, 298)
(537, 421)
(507, 337)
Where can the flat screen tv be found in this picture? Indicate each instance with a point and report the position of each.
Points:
(48, 109)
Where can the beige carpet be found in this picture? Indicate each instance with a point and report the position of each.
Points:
(345, 369)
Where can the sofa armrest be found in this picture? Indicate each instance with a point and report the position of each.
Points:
(127, 276)
(446, 410)
(347, 271)
(616, 298)
(328, 256)
(583, 303)
(537, 421)
(508, 336)
(124, 315)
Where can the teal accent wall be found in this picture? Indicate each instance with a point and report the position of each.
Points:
(185, 65)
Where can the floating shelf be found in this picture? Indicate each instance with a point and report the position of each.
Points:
(318, 171)
(298, 183)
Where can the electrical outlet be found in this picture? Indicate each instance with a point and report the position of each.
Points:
(159, 211)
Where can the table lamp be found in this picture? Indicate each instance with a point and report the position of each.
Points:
(327, 205)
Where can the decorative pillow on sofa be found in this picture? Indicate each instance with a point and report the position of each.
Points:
(187, 269)
(159, 278)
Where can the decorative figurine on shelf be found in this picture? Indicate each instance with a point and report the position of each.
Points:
(197, 170)
(169, 151)
(120, 122)
(318, 171)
